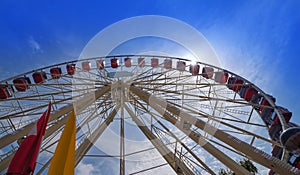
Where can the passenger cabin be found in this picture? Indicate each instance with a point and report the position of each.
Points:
(127, 62)
(297, 165)
(141, 62)
(168, 64)
(290, 138)
(39, 77)
(194, 69)
(266, 116)
(230, 82)
(100, 64)
(294, 160)
(21, 84)
(250, 92)
(235, 83)
(221, 77)
(277, 152)
(55, 72)
(264, 103)
(207, 72)
(154, 62)
(256, 100)
(181, 65)
(275, 129)
(114, 63)
(285, 113)
(71, 69)
(86, 66)
(5, 92)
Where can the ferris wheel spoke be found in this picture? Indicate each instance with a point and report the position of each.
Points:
(42, 106)
(228, 116)
(221, 121)
(206, 167)
(202, 113)
(158, 79)
(90, 77)
(201, 98)
(99, 118)
(90, 140)
(155, 76)
(172, 159)
(94, 115)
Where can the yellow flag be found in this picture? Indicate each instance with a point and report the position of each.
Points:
(63, 160)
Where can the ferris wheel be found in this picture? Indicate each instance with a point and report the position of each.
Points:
(163, 113)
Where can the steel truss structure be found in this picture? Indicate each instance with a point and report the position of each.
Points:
(184, 114)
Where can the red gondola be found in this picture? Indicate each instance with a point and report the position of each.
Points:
(127, 62)
(237, 85)
(207, 72)
(5, 92)
(264, 102)
(181, 65)
(141, 62)
(266, 115)
(242, 91)
(194, 69)
(277, 152)
(71, 69)
(221, 77)
(285, 113)
(114, 62)
(55, 72)
(154, 62)
(297, 165)
(21, 84)
(39, 77)
(86, 66)
(250, 92)
(168, 64)
(100, 64)
(230, 82)
(256, 100)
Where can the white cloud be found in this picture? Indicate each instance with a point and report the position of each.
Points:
(85, 169)
(35, 46)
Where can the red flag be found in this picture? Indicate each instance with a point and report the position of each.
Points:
(24, 160)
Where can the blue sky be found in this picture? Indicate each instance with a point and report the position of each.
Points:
(256, 39)
(263, 34)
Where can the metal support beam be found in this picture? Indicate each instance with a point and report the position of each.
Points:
(122, 142)
(88, 142)
(179, 141)
(252, 152)
(178, 166)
